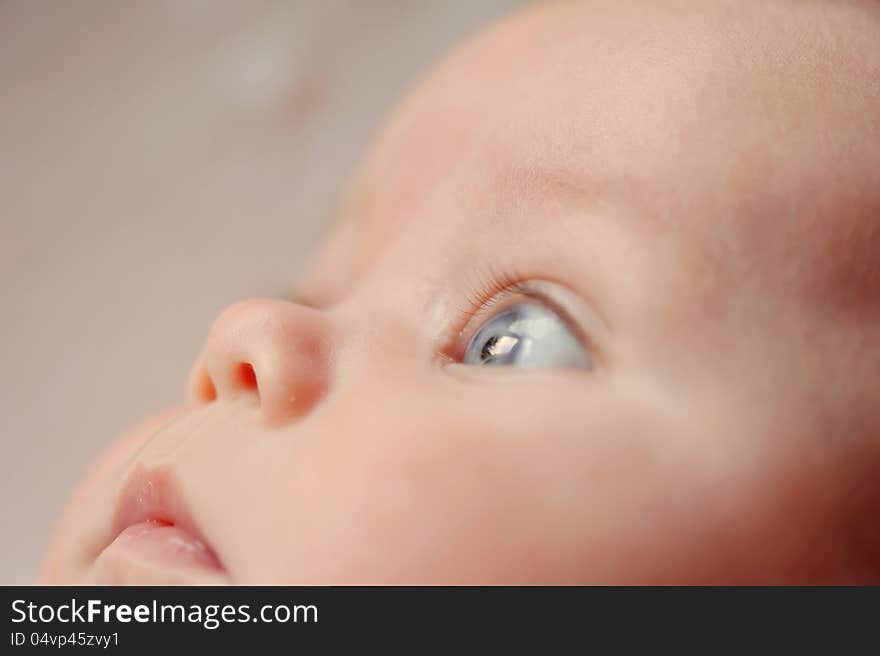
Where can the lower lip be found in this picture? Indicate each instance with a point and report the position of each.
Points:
(158, 553)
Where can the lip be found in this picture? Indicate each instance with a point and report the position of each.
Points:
(154, 537)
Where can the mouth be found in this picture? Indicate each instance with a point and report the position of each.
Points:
(155, 540)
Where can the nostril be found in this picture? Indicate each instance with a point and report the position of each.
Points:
(246, 377)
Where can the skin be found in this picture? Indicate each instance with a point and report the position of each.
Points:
(704, 177)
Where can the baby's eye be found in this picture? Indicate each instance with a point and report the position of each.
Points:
(526, 335)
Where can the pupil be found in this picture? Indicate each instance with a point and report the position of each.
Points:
(498, 346)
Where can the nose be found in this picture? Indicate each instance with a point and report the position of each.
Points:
(274, 351)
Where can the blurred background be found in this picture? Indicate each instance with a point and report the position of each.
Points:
(158, 161)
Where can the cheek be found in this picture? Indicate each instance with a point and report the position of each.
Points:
(518, 484)
(514, 489)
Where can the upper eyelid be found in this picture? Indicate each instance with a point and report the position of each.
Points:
(485, 304)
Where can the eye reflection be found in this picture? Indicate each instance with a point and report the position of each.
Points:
(527, 335)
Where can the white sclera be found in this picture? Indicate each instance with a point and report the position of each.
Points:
(526, 335)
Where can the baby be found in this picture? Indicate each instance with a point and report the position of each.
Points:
(604, 308)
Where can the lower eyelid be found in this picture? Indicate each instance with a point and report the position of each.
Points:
(515, 375)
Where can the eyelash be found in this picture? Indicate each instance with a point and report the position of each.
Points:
(490, 287)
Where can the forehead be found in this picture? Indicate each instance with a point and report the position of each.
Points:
(750, 127)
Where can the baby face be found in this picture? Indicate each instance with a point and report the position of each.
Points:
(604, 307)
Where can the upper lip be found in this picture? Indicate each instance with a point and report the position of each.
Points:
(153, 495)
